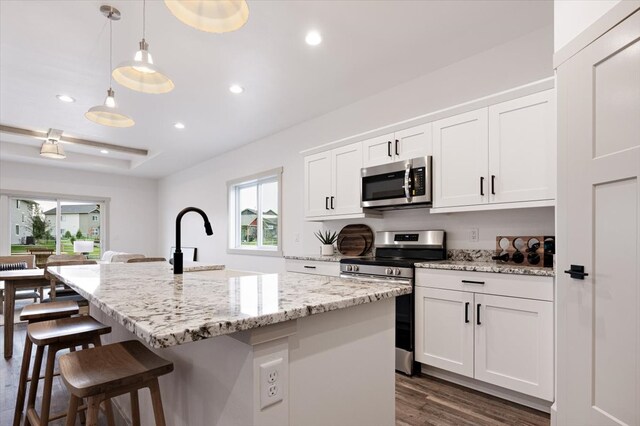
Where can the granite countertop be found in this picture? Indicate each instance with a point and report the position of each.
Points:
(487, 266)
(319, 258)
(166, 310)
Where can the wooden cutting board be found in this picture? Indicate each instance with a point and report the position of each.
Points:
(352, 243)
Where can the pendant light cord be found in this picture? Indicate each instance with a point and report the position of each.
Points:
(144, 17)
(110, 50)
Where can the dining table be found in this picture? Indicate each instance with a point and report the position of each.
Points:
(13, 281)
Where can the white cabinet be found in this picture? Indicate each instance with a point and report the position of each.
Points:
(495, 338)
(444, 333)
(332, 182)
(313, 267)
(497, 155)
(399, 146)
(460, 159)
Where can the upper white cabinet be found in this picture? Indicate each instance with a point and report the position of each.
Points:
(399, 146)
(332, 182)
(501, 154)
(460, 159)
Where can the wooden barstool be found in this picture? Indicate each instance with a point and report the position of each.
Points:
(56, 335)
(36, 313)
(100, 374)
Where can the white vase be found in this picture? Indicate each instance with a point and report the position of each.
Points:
(327, 249)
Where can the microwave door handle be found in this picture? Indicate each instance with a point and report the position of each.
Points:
(407, 182)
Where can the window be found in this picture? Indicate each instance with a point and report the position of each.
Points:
(17, 229)
(62, 218)
(17, 204)
(254, 214)
(94, 218)
(22, 217)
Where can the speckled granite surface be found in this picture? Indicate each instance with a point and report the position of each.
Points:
(318, 258)
(167, 310)
(491, 266)
(470, 255)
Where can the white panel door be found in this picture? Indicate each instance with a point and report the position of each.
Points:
(460, 159)
(346, 163)
(317, 188)
(413, 142)
(378, 150)
(514, 344)
(522, 147)
(598, 228)
(444, 329)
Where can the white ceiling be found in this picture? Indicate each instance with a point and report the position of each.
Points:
(54, 47)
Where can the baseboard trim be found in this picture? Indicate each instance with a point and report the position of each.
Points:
(509, 395)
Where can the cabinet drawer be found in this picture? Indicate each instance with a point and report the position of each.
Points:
(526, 286)
(313, 267)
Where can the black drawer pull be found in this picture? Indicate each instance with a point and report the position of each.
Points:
(472, 282)
(478, 315)
(482, 186)
(389, 149)
(326, 203)
(309, 267)
(577, 272)
(466, 312)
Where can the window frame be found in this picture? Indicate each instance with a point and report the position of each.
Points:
(234, 215)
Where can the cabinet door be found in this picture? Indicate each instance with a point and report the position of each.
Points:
(346, 163)
(378, 150)
(317, 191)
(460, 150)
(413, 142)
(514, 344)
(444, 329)
(522, 149)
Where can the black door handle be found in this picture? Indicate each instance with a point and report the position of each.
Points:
(309, 267)
(472, 282)
(389, 148)
(577, 272)
(397, 153)
(332, 208)
(466, 312)
(493, 184)
(478, 315)
(326, 203)
(482, 185)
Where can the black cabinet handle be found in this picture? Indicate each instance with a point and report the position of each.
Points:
(472, 282)
(466, 312)
(577, 272)
(478, 315)
(397, 153)
(389, 148)
(482, 185)
(493, 184)
(332, 208)
(326, 203)
(309, 267)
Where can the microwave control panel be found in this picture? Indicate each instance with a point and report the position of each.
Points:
(419, 182)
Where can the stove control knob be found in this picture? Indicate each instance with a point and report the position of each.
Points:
(388, 271)
(397, 271)
(356, 268)
(349, 268)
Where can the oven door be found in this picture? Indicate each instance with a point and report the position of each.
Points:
(397, 184)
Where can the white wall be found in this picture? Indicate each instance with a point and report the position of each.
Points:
(132, 215)
(571, 17)
(517, 62)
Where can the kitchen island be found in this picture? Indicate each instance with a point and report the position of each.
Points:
(331, 340)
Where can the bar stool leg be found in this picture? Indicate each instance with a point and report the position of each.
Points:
(72, 411)
(93, 406)
(33, 388)
(156, 399)
(22, 384)
(135, 408)
(48, 384)
(108, 410)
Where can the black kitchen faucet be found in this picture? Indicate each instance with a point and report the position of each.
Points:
(177, 255)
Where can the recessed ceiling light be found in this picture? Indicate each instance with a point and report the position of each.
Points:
(65, 98)
(179, 126)
(236, 88)
(313, 38)
(104, 151)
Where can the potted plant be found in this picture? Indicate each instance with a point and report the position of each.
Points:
(327, 238)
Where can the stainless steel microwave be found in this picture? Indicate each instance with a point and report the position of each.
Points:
(397, 185)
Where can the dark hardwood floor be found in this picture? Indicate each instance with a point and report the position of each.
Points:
(420, 400)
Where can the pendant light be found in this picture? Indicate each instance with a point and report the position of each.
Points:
(213, 16)
(109, 114)
(51, 148)
(141, 74)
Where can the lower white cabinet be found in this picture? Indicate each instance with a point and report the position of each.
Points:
(313, 267)
(503, 340)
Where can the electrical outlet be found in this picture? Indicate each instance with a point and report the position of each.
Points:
(474, 235)
(271, 388)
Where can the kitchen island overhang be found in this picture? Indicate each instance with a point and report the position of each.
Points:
(335, 338)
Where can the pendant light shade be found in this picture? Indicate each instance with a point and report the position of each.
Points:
(141, 74)
(213, 16)
(52, 149)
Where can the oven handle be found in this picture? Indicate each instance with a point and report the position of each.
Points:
(365, 277)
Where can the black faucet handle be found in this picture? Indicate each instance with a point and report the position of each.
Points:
(208, 229)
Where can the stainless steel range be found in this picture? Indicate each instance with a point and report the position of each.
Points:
(396, 254)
